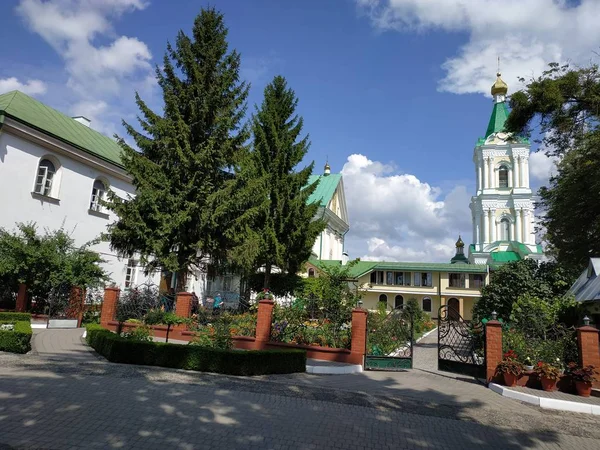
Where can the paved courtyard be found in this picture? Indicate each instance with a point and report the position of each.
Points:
(63, 396)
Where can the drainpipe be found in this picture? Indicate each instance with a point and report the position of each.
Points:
(439, 290)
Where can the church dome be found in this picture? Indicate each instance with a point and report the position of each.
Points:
(499, 87)
(460, 243)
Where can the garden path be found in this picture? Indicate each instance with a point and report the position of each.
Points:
(425, 352)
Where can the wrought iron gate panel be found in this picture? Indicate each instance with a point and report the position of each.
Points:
(389, 341)
(461, 344)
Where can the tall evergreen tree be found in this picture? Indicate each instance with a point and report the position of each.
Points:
(179, 215)
(280, 225)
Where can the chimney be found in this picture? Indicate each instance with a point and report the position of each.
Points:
(83, 120)
(345, 258)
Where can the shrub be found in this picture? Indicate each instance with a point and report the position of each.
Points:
(15, 317)
(548, 371)
(17, 340)
(194, 357)
(140, 333)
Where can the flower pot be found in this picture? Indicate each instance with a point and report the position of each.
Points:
(528, 368)
(548, 384)
(509, 379)
(583, 389)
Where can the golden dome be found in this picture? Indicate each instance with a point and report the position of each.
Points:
(460, 243)
(499, 87)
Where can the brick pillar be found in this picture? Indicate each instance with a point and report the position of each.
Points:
(22, 298)
(263, 323)
(589, 349)
(76, 297)
(109, 305)
(358, 346)
(183, 307)
(493, 348)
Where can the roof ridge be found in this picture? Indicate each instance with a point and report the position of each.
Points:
(14, 93)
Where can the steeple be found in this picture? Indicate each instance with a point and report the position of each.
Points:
(327, 169)
(500, 111)
(459, 257)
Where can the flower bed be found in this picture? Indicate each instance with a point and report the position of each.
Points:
(15, 339)
(194, 357)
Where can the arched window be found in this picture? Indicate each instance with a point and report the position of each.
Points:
(505, 229)
(311, 273)
(44, 178)
(98, 194)
(383, 298)
(398, 301)
(503, 177)
(426, 304)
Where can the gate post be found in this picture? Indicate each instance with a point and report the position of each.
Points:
(264, 318)
(109, 305)
(358, 345)
(76, 304)
(21, 305)
(493, 348)
(589, 351)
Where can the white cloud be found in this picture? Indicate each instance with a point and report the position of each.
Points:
(398, 217)
(102, 67)
(526, 34)
(541, 166)
(30, 87)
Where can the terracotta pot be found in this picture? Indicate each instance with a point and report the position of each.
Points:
(548, 384)
(583, 389)
(510, 380)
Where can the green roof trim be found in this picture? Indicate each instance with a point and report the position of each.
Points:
(502, 257)
(327, 184)
(497, 119)
(33, 113)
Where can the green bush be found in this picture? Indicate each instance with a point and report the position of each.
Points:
(194, 357)
(17, 340)
(15, 317)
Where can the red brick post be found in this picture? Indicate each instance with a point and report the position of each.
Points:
(75, 311)
(22, 298)
(183, 308)
(358, 345)
(109, 305)
(263, 323)
(589, 349)
(493, 348)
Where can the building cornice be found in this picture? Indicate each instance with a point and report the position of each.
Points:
(55, 145)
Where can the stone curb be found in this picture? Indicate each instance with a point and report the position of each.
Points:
(546, 403)
(334, 370)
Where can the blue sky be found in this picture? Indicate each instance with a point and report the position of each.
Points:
(399, 84)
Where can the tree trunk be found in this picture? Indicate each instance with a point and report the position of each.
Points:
(267, 276)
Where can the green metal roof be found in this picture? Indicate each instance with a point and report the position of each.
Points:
(498, 119)
(325, 189)
(502, 257)
(35, 114)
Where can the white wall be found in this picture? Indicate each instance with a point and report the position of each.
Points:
(19, 160)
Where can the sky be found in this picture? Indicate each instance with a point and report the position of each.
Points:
(394, 93)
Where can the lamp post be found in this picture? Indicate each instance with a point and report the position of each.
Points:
(586, 321)
(494, 315)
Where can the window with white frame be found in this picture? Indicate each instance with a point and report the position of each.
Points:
(130, 273)
(389, 278)
(503, 177)
(426, 304)
(44, 178)
(98, 195)
(457, 280)
(377, 277)
(423, 279)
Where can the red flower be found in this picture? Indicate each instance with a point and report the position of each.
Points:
(540, 364)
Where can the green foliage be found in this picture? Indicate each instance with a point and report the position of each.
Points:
(294, 325)
(182, 211)
(565, 102)
(276, 227)
(280, 284)
(11, 317)
(46, 261)
(194, 357)
(161, 317)
(17, 340)
(387, 331)
(546, 281)
(141, 333)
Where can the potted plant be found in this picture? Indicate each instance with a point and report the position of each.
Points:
(510, 368)
(528, 365)
(583, 378)
(265, 294)
(548, 375)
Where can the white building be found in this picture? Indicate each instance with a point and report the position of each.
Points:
(502, 209)
(54, 169)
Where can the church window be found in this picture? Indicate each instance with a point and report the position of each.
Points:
(44, 178)
(423, 279)
(377, 277)
(398, 301)
(426, 304)
(457, 280)
(503, 177)
(311, 273)
(476, 280)
(130, 273)
(389, 278)
(98, 194)
(505, 229)
(383, 298)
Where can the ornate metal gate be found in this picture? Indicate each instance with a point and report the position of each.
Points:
(461, 344)
(389, 340)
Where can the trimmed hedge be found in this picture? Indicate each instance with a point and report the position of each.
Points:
(17, 340)
(15, 317)
(193, 357)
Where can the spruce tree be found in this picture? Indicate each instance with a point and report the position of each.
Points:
(280, 227)
(187, 155)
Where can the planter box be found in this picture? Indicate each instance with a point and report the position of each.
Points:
(62, 323)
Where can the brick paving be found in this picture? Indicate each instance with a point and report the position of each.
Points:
(83, 402)
(557, 395)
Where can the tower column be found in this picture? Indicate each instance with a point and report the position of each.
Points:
(484, 172)
(525, 172)
(510, 178)
(492, 225)
(512, 231)
(516, 171)
(486, 227)
(479, 176)
(521, 172)
(518, 229)
(492, 179)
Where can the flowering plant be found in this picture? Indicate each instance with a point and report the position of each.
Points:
(586, 374)
(7, 327)
(548, 371)
(510, 364)
(265, 294)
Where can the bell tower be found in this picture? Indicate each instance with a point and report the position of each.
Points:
(502, 208)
